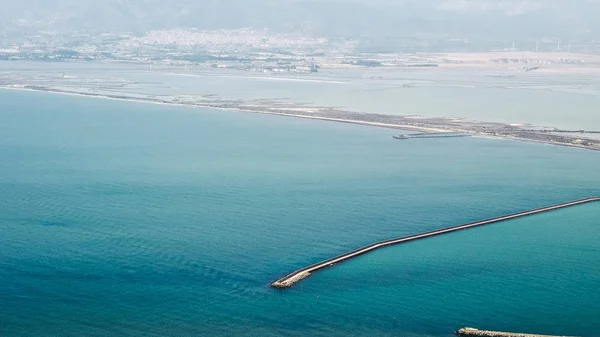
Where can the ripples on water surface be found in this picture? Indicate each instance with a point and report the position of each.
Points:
(131, 219)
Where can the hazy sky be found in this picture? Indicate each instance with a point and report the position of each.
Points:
(537, 18)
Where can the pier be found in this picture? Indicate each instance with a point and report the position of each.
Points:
(432, 135)
(290, 279)
(471, 332)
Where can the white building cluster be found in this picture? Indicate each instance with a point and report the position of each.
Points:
(247, 38)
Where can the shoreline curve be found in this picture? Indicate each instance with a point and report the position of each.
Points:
(367, 119)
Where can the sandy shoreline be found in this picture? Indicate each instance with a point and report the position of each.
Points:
(209, 106)
(428, 125)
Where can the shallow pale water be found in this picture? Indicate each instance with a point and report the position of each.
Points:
(565, 101)
(132, 219)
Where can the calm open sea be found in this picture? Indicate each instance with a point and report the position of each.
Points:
(130, 219)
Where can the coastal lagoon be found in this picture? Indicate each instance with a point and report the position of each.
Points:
(121, 218)
(568, 101)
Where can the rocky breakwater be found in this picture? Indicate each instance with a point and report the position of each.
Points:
(300, 274)
(471, 332)
(288, 281)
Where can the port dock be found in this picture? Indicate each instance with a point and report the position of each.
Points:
(432, 135)
(290, 279)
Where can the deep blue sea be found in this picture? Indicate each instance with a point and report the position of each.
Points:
(131, 219)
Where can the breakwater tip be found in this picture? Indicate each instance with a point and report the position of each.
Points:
(472, 332)
(290, 280)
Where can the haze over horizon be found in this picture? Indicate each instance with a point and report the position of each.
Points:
(503, 19)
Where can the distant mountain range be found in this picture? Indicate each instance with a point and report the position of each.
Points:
(493, 19)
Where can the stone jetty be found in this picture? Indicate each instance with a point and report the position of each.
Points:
(290, 279)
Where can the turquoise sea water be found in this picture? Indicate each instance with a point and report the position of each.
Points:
(131, 219)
